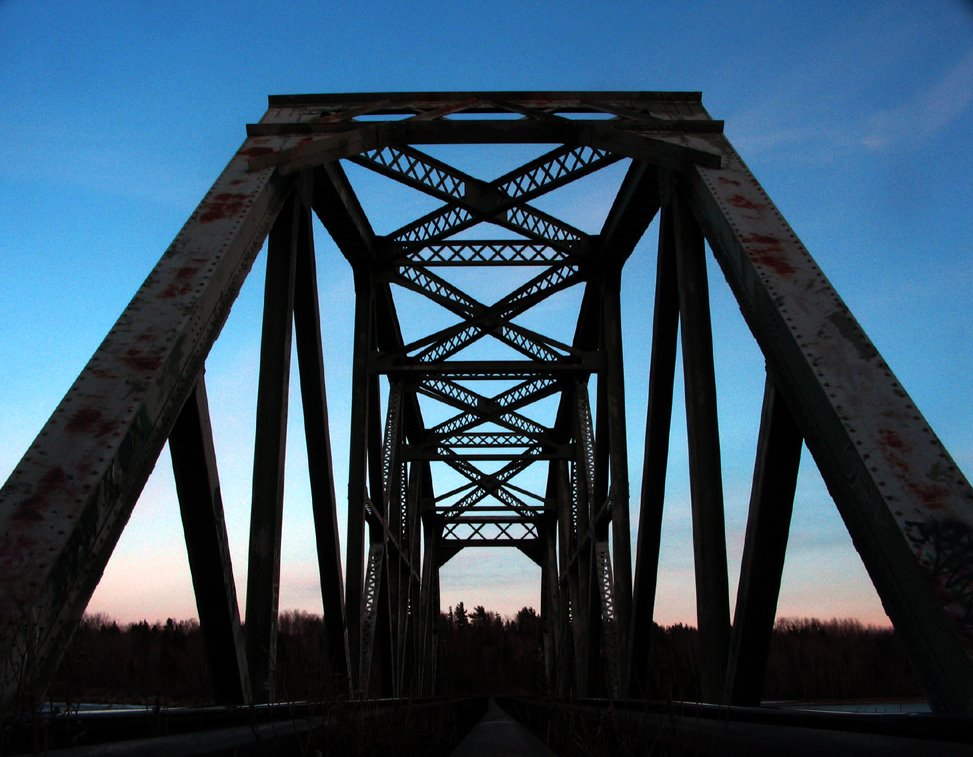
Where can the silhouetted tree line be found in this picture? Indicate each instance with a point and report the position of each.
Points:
(839, 659)
(479, 652)
(140, 663)
(809, 659)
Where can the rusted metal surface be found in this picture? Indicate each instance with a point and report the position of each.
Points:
(67, 501)
(908, 508)
(907, 505)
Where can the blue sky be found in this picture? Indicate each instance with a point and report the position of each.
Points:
(118, 116)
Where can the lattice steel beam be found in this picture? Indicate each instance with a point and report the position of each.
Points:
(489, 370)
(469, 202)
(494, 484)
(478, 409)
(479, 320)
(479, 253)
(555, 169)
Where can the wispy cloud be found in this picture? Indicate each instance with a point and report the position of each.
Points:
(927, 112)
(767, 129)
(782, 122)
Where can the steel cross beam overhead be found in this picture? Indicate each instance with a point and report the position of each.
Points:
(538, 462)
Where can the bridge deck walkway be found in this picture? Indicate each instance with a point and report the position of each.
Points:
(498, 733)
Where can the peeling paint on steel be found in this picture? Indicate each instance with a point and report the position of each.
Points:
(223, 205)
(886, 446)
(66, 500)
(768, 252)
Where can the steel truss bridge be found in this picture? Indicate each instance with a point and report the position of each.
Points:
(907, 506)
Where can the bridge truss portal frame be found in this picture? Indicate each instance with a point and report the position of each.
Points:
(907, 506)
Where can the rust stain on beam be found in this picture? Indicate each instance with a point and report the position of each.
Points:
(67, 501)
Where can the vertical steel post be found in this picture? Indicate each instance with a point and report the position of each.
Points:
(569, 576)
(412, 653)
(201, 507)
(550, 605)
(587, 616)
(394, 492)
(372, 606)
(436, 613)
(603, 650)
(357, 471)
(310, 357)
(424, 493)
(662, 365)
(263, 576)
(771, 503)
(427, 601)
(608, 653)
(613, 376)
(429, 567)
(376, 581)
(706, 481)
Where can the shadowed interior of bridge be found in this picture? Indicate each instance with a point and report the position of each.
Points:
(471, 726)
(498, 733)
